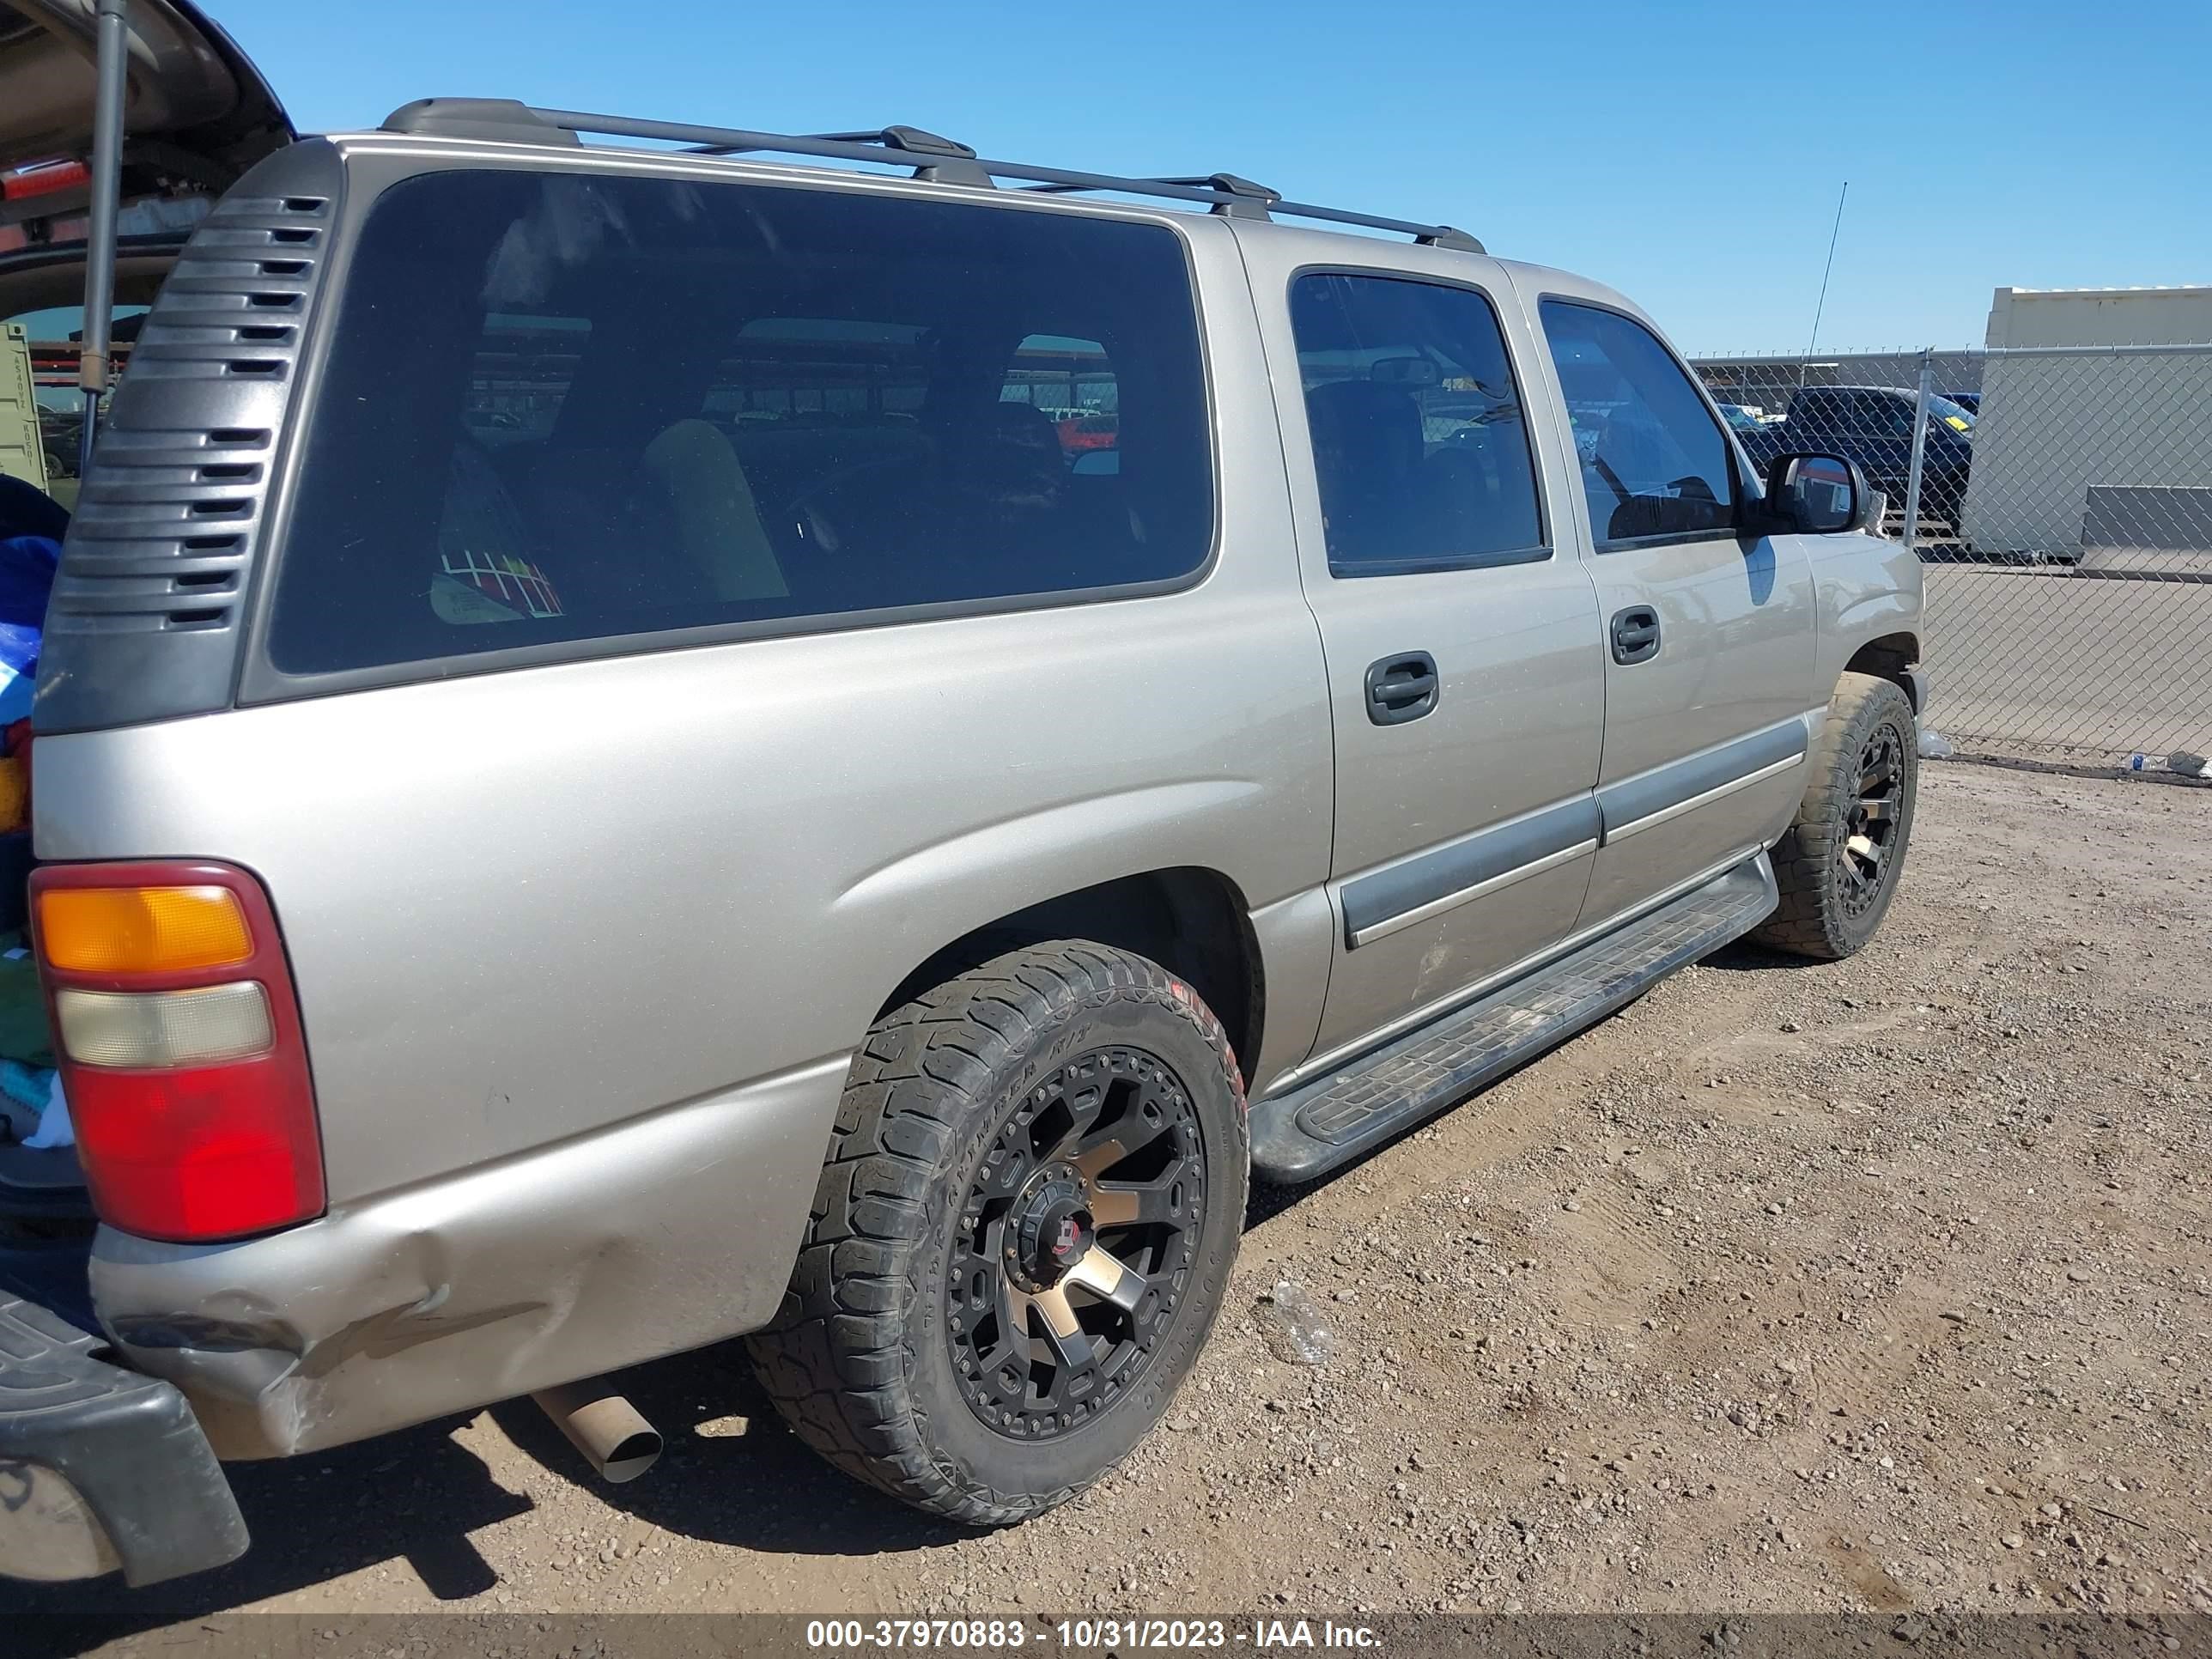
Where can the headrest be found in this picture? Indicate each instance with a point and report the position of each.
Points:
(1369, 425)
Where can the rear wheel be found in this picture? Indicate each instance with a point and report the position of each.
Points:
(1023, 1233)
(1836, 864)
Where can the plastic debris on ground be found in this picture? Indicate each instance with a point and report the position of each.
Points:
(1291, 1326)
(1934, 745)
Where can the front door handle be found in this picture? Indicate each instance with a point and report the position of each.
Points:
(1401, 688)
(1634, 635)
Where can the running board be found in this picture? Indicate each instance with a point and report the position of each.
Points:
(1324, 1124)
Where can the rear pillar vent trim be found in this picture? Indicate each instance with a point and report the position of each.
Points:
(147, 612)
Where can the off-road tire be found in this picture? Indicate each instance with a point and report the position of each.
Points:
(858, 1360)
(1821, 915)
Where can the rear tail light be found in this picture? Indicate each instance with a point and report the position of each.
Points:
(164, 1028)
(179, 1037)
(20, 183)
(143, 930)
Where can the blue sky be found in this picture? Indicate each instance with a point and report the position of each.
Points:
(1689, 152)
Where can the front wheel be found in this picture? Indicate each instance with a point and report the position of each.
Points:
(1021, 1234)
(1837, 864)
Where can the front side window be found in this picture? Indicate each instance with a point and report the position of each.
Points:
(1882, 416)
(571, 408)
(1654, 463)
(1420, 442)
(1821, 415)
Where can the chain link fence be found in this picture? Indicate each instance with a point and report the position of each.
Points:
(2061, 500)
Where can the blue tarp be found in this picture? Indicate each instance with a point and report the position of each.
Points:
(27, 578)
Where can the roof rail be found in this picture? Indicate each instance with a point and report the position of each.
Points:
(941, 160)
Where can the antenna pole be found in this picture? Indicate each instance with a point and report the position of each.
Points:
(1821, 304)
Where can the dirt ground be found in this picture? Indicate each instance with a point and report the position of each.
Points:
(1885, 1285)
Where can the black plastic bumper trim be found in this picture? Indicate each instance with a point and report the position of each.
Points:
(128, 1445)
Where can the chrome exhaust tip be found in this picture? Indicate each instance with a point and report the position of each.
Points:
(614, 1436)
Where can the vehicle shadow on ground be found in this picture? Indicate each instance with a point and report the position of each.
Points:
(1269, 1200)
(746, 1481)
(416, 1495)
(1746, 956)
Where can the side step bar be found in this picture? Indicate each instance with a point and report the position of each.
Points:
(1324, 1124)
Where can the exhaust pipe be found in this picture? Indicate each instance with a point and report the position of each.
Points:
(616, 1440)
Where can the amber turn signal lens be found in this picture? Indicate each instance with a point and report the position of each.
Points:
(141, 930)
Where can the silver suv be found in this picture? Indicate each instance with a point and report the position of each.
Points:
(641, 745)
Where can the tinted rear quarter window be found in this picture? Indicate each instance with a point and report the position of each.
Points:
(564, 409)
(1420, 443)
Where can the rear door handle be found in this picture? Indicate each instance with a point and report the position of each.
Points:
(1401, 688)
(1634, 635)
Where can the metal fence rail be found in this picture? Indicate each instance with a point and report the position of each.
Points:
(2061, 498)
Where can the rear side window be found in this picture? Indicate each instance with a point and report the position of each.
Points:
(564, 409)
(1420, 442)
(1654, 463)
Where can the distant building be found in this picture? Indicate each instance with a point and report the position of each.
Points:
(2100, 316)
(2095, 435)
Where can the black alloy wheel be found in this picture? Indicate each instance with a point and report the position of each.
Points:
(1870, 820)
(1024, 1228)
(1075, 1242)
(1836, 867)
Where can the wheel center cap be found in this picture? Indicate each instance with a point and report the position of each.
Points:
(1052, 1229)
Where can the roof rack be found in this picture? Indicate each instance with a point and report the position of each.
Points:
(943, 160)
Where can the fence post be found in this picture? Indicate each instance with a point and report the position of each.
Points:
(1919, 446)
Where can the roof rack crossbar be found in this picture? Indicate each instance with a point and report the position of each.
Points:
(946, 161)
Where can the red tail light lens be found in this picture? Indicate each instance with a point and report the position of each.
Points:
(188, 1084)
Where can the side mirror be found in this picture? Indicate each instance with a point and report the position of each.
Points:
(1819, 496)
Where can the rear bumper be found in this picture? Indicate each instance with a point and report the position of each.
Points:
(100, 1467)
(660, 1233)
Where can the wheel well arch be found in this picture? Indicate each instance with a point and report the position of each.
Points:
(1192, 920)
(1888, 658)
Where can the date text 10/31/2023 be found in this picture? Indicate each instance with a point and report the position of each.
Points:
(1260, 1635)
